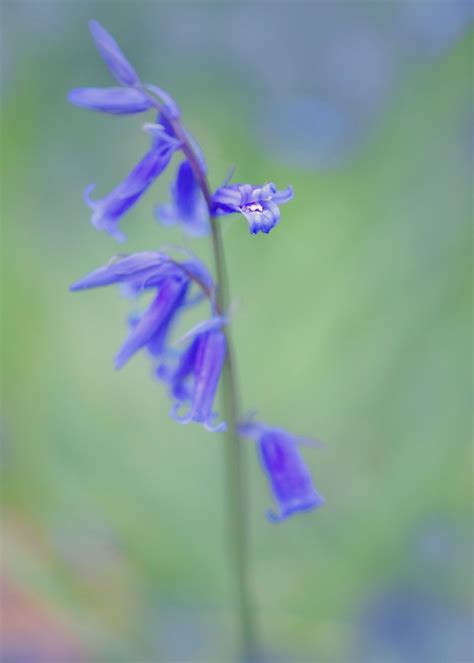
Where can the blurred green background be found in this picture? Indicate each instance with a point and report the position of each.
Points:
(352, 325)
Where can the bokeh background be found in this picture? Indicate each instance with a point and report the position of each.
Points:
(352, 325)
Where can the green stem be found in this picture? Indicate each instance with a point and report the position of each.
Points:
(236, 469)
(234, 452)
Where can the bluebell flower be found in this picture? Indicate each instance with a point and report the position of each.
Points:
(144, 271)
(118, 101)
(152, 328)
(188, 207)
(193, 382)
(110, 51)
(259, 204)
(108, 211)
(289, 477)
(112, 100)
(134, 97)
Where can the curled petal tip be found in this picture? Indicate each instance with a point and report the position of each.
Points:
(219, 428)
(284, 196)
(314, 503)
(87, 196)
(119, 236)
(180, 418)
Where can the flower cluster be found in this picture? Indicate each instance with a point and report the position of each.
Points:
(190, 369)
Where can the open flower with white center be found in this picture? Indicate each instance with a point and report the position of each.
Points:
(259, 204)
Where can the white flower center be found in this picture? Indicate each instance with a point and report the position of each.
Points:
(254, 207)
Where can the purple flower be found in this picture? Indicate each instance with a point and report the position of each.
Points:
(108, 211)
(193, 383)
(188, 207)
(144, 270)
(134, 97)
(152, 328)
(118, 101)
(149, 270)
(289, 477)
(113, 100)
(110, 51)
(259, 204)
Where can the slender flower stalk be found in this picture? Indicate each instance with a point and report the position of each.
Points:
(233, 452)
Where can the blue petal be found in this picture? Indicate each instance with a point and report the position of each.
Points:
(200, 273)
(194, 382)
(245, 197)
(267, 192)
(156, 346)
(188, 207)
(227, 196)
(113, 100)
(178, 379)
(288, 475)
(209, 362)
(180, 418)
(255, 220)
(284, 196)
(110, 51)
(108, 211)
(147, 269)
(154, 325)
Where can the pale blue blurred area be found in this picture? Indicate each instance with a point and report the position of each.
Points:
(352, 325)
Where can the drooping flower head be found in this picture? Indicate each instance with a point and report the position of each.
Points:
(144, 271)
(288, 475)
(193, 381)
(259, 204)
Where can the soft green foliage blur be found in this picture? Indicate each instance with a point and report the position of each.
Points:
(351, 325)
